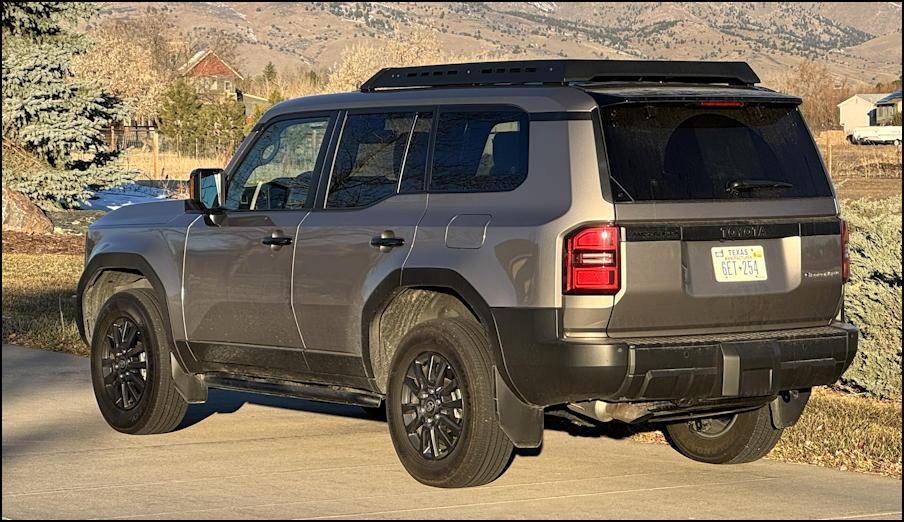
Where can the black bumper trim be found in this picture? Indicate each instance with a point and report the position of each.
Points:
(546, 369)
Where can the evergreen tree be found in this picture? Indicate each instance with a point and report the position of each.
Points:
(180, 116)
(269, 73)
(48, 114)
(223, 125)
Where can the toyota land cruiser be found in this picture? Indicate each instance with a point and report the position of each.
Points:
(470, 246)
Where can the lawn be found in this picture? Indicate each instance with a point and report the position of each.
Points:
(39, 301)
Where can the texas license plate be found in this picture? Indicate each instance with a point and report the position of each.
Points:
(739, 263)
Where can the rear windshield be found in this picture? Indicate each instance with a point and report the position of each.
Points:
(661, 152)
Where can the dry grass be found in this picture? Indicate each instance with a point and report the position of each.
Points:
(170, 165)
(839, 431)
(865, 161)
(39, 302)
(845, 432)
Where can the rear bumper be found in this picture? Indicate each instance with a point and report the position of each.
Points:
(545, 369)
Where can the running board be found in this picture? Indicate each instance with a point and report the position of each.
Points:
(280, 388)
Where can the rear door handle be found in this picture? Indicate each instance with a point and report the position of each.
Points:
(386, 241)
(276, 242)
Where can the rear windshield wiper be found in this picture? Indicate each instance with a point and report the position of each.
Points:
(749, 185)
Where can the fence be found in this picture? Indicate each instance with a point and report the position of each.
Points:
(843, 158)
(157, 156)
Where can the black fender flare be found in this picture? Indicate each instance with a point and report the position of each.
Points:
(521, 421)
(189, 386)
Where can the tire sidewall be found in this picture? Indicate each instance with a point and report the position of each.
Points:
(433, 472)
(719, 449)
(125, 304)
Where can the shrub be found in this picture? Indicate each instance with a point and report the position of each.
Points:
(873, 297)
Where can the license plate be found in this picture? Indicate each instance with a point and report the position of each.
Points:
(739, 263)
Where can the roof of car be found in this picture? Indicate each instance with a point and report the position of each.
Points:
(543, 86)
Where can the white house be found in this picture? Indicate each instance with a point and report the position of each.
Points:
(858, 111)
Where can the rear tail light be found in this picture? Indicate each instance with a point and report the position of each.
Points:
(591, 261)
(845, 253)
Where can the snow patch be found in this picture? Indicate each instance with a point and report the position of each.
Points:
(124, 195)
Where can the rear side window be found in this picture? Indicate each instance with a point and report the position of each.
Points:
(690, 152)
(370, 158)
(479, 151)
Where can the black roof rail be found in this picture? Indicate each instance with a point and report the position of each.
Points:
(560, 72)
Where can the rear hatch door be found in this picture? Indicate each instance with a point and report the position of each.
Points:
(730, 222)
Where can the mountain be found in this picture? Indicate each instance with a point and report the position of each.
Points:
(858, 41)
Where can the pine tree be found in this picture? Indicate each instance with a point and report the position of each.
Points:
(57, 119)
(223, 124)
(180, 116)
(269, 73)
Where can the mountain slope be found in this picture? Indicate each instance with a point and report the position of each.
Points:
(860, 42)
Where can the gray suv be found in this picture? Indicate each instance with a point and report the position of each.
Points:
(470, 247)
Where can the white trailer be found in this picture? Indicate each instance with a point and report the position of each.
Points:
(876, 134)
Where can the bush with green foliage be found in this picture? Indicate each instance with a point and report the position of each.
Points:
(873, 296)
(56, 120)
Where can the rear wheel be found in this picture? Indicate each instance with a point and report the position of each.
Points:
(441, 406)
(729, 439)
(130, 366)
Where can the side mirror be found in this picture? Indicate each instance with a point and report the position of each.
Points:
(205, 191)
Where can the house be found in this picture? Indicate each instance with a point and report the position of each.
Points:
(211, 75)
(887, 107)
(215, 78)
(859, 111)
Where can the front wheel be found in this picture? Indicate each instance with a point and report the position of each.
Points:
(729, 439)
(441, 406)
(130, 366)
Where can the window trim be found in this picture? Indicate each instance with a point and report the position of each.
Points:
(258, 129)
(477, 108)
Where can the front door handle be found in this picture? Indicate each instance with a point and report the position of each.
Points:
(275, 241)
(386, 241)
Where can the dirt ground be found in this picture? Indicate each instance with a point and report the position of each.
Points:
(21, 243)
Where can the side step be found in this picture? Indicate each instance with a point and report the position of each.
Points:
(315, 392)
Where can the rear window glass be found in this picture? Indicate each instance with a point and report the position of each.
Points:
(479, 151)
(683, 152)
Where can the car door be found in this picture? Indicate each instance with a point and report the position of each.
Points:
(237, 276)
(362, 231)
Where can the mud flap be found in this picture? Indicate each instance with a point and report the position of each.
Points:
(787, 408)
(191, 387)
(522, 423)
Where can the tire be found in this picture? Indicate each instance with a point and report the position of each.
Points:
(126, 404)
(736, 439)
(480, 451)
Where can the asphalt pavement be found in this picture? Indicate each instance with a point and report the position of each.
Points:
(247, 456)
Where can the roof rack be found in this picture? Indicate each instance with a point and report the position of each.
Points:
(560, 72)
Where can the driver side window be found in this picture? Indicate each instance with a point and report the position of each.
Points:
(278, 171)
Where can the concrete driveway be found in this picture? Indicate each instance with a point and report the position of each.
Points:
(244, 456)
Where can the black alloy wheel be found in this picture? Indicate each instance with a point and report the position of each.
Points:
(712, 427)
(124, 363)
(432, 408)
